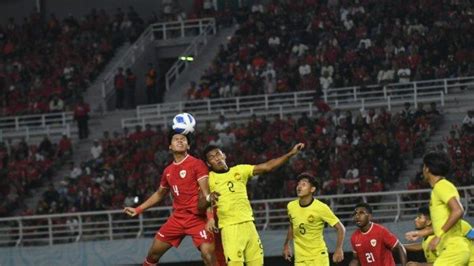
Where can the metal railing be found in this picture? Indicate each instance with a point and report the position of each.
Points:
(192, 51)
(30, 126)
(236, 108)
(41, 120)
(54, 132)
(154, 32)
(269, 214)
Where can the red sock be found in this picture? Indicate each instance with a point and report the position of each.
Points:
(150, 262)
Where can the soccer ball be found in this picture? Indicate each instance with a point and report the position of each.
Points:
(184, 123)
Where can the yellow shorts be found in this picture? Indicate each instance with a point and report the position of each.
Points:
(241, 243)
(321, 259)
(456, 252)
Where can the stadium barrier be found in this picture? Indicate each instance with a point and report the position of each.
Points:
(270, 214)
(238, 108)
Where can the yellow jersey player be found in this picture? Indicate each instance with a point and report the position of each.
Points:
(307, 219)
(424, 229)
(240, 239)
(422, 222)
(446, 212)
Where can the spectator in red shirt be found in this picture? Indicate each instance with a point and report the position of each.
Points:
(81, 115)
(119, 84)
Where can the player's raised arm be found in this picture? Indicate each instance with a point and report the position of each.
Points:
(154, 199)
(402, 253)
(273, 164)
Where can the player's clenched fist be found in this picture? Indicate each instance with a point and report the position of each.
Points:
(132, 212)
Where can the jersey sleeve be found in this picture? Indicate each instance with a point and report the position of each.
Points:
(164, 180)
(246, 170)
(389, 239)
(201, 170)
(328, 216)
(446, 191)
(353, 243)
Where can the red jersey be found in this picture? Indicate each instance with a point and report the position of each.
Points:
(182, 179)
(374, 247)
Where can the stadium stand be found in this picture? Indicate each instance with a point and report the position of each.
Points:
(305, 45)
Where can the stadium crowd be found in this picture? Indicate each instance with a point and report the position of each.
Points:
(24, 168)
(349, 152)
(46, 65)
(307, 45)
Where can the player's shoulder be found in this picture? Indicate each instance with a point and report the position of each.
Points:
(193, 160)
(242, 167)
(319, 204)
(376, 228)
(294, 204)
(442, 184)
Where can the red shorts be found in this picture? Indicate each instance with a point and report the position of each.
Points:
(178, 226)
(219, 250)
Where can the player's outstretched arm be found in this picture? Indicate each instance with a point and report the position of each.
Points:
(155, 198)
(338, 255)
(273, 164)
(416, 234)
(355, 260)
(413, 247)
(402, 253)
(287, 253)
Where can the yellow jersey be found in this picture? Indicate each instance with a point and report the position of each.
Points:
(430, 256)
(308, 225)
(443, 191)
(465, 228)
(233, 206)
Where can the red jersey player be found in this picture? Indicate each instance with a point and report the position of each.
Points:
(184, 177)
(372, 244)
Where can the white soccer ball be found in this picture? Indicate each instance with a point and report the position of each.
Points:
(184, 123)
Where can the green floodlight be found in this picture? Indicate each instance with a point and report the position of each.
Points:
(186, 58)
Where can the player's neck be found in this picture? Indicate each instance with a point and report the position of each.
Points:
(433, 179)
(366, 228)
(306, 200)
(179, 156)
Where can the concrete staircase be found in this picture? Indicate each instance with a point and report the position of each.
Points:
(198, 66)
(102, 120)
(453, 114)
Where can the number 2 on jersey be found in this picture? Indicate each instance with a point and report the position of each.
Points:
(370, 257)
(230, 185)
(176, 190)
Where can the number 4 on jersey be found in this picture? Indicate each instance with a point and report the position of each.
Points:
(176, 190)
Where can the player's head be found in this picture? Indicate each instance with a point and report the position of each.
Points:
(362, 214)
(423, 218)
(215, 159)
(307, 185)
(179, 143)
(436, 164)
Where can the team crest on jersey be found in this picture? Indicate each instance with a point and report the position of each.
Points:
(373, 242)
(237, 176)
(310, 218)
(182, 173)
(239, 253)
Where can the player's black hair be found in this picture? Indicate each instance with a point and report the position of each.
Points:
(424, 210)
(207, 150)
(312, 180)
(364, 205)
(188, 136)
(438, 163)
